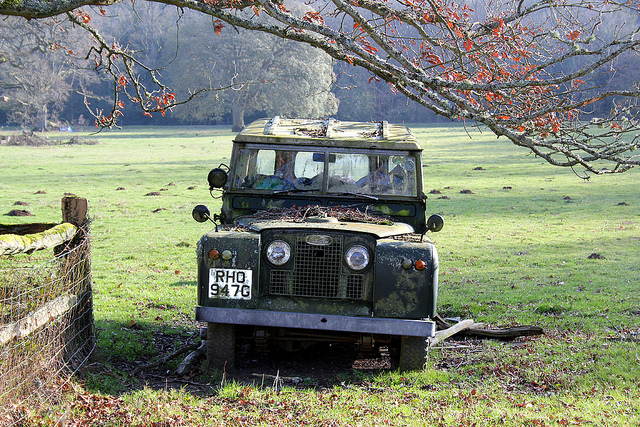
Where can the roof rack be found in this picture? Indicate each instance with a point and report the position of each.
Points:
(328, 132)
(271, 126)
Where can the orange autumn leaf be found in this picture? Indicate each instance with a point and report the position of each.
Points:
(572, 35)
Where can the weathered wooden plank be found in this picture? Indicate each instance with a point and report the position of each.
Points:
(11, 244)
(38, 319)
(443, 335)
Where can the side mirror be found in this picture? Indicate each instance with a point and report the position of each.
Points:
(435, 223)
(201, 213)
(217, 178)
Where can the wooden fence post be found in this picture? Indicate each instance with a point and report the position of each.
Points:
(75, 211)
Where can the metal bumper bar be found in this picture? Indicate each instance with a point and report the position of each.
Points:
(322, 322)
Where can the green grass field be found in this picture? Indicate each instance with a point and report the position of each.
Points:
(528, 243)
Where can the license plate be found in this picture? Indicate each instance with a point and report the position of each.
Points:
(230, 283)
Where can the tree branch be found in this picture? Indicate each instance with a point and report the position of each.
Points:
(518, 69)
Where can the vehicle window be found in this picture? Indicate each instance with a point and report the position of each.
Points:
(346, 171)
(266, 162)
(279, 170)
(372, 174)
(309, 165)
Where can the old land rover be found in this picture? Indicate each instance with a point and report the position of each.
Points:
(321, 238)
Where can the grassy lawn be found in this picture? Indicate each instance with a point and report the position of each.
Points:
(523, 243)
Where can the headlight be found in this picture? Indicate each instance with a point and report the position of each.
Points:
(278, 252)
(357, 257)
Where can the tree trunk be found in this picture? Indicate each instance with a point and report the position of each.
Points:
(40, 124)
(237, 112)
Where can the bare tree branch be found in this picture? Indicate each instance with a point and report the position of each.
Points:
(123, 67)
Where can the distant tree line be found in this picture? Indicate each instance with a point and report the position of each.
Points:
(47, 84)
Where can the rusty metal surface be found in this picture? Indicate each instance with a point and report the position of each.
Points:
(405, 293)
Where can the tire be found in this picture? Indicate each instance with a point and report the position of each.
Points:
(221, 346)
(413, 354)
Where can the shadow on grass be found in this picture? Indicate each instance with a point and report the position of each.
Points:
(131, 357)
(123, 348)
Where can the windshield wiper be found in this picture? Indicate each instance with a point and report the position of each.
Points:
(346, 193)
(364, 196)
(295, 190)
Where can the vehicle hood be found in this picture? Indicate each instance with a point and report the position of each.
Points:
(380, 231)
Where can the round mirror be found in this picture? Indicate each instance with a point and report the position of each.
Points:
(200, 213)
(435, 223)
(217, 178)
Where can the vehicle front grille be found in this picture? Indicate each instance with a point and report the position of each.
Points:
(317, 272)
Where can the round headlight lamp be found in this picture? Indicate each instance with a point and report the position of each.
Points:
(357, 257)
(278, 252)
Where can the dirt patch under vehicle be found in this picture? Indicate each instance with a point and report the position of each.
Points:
(319, 367)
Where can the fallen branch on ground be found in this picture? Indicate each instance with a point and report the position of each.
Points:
(192, 358)
(479, 330)
(166, 358)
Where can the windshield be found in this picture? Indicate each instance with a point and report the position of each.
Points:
(346, 173)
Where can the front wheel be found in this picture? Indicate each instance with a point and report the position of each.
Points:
(412, 354)
(221, 346)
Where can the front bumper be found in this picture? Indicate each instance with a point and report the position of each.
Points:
(368, 325)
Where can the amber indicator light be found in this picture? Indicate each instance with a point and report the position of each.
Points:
(420, 265)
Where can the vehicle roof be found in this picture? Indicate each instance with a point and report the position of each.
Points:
(329, 133)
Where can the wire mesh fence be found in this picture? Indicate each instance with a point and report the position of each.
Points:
(46, 327)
